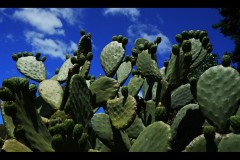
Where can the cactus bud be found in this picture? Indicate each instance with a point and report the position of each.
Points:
(235, 123)
(56, 71)
(59, 128)
(209, 133)
(82, 142)
(141, 47)
(14, 57)
(134, 52)
(43, 59)
(77, 131)
(53, 122)
(75, 53)
(82, 32)
(126, 58)
(124, 91)
(161, 114)
(158, 40)
(19, 54)
(38, 55)
(149, 45)
(186, 46)
(32, 89)
(69, 124)
(133, 60)
(89, 35)
(12, 83)
(196, 34)
(209, 50)
(30, 54)
(81, 59)
(124, 41)
(24, 84)
(57, 142)
(25, 54)
(179, 38)
(226, 60)
(191, 33)
(205, 41)
(119, 38)
(67, 56)
(175, 49)
(6, 94)
(89, 56)
(73, 60)
(114, 38)
(202, 34)
(185, 35)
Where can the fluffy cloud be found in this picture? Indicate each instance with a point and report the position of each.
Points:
(48, 46)
(133, 13)
(150, 32)
(48, 21)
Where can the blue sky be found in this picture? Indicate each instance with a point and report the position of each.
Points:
(55, 32)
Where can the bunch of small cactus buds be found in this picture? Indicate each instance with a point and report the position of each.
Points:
(189, 105)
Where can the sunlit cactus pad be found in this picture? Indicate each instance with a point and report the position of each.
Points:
(49, 89)
(32, 68)
(111, 57)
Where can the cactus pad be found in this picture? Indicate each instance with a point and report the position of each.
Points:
(32, 68)
(102, 89)
(122, 112)
(63, 72)
(123, 72)
(229, 143)
(154, 138)
(49, 89)
(12, 145)
(111, 57)
(135, 85)
(218, 93)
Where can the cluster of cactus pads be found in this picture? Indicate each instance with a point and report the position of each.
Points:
(189, 105)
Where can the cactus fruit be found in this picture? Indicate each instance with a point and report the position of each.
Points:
(235, 123)
(226, 60)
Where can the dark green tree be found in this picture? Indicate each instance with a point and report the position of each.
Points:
(230, 26)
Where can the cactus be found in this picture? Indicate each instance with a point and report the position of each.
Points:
(187, 105)
(209, 90)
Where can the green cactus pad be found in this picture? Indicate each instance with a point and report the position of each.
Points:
(102, 127)
(235, 123)
(111, 57)
(218, 93)
(103, 89)
(229, 143)
(150, 112)
(85, 44)
(123, 72)
(32, 68)
(63, 72)
(101, 147)
(147, 66)
(12, 145)
(154, 138)
(8, 122)
(181, 96)
(135, 85)
(122, 111)
(135, 128)
(187, 123)
(84, 70)
(79, 95)
(199, 144)
(52, 92)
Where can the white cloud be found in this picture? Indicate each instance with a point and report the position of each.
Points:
(150, 32)
(48, 21)
(133, 13)
(48, 46)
